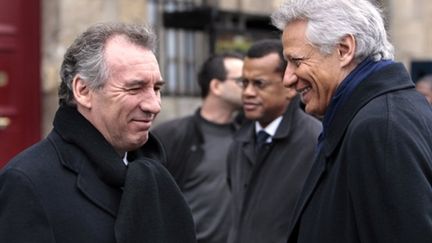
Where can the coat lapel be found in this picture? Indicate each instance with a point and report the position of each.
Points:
(370, 88)
(88, 182)
(102, 195)
(243, 136)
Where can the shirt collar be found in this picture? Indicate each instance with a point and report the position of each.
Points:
(125, 160)
(270, 128)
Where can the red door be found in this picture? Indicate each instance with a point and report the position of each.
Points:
(20, 101)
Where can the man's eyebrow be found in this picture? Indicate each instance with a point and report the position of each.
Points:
(287, 56)
(133, 84)
(160, 82)
(143, 82)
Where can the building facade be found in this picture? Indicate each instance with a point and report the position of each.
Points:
(188, 31)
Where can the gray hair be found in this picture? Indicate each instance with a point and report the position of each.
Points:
(328, 21)
(85, 57)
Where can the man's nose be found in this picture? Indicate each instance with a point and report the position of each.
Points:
(151, 102)
(249, 89)
(290, 78)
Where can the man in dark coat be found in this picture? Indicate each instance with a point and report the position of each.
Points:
(266, 176)
(197, 146)
(371, 181)
(98, 177)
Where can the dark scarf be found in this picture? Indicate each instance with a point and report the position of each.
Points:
(152, 208)
(347, 86)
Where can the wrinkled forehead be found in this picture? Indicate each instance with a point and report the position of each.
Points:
(129, 61)
(294, 36)
(121, 52)
(119, 46)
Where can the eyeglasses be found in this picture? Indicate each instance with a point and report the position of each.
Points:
(257, 83)
(237, 80)
(244, 83)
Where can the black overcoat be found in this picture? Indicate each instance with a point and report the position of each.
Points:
(51, 192)
(372, 181)
(266, 186)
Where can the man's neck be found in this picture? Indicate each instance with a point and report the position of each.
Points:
(216, 112)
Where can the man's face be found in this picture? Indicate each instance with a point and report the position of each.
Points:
(231, 91)
(264, 96)
(313, 75)
(124, 109)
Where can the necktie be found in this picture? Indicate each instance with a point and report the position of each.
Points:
(261, 139)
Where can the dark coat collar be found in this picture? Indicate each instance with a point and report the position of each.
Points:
(88, 182)
(396, 78)
(88, 145)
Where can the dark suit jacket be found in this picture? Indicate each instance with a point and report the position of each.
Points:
(265, 188)
(372, 181)
(52, 193)
(182, 138)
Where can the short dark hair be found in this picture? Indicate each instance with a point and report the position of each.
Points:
(214, 68)
(265, 47)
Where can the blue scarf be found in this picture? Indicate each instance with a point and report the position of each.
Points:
(343, 92)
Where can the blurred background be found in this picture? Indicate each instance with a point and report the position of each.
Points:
(34, 35)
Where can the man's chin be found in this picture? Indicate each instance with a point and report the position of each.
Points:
(309, 110)
(313, 111)
(142, 140)
(137, 143)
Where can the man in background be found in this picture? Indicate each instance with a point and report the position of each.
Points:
(272, 153)
(197, 146)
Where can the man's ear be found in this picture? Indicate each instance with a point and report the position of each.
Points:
(215, 87)
(346, 50)
(82, 92)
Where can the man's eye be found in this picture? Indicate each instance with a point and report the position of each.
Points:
(259, 84)
(297, 61)
(157, 89)
(133, 90)
(245, 83)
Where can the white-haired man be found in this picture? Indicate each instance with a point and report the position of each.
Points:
(371, 181)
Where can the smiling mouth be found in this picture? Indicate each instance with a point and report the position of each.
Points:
(145, 123)
(304, 90)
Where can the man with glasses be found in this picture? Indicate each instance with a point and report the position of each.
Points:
(272, 154)
(197, 146)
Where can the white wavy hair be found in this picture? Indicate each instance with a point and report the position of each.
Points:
(331, 20)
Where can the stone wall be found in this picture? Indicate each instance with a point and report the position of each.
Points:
(410, 24)
(250, 6)
(410, 29)
(62, 21)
